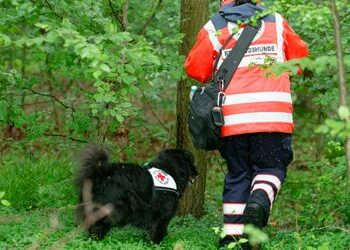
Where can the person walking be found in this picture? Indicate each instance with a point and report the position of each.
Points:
(258, 121)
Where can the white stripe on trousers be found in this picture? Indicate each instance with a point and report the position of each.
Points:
(234, 208)
(268, 189)
(268, 178)
(233, 229)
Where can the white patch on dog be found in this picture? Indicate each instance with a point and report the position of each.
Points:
(162, 179)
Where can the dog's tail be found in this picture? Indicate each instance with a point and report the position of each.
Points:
(93, 163)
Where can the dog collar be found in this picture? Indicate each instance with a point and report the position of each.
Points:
(162, 180)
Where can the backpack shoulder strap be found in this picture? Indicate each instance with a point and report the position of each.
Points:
(231, 63)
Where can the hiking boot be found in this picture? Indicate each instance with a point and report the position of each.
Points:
(254, 214)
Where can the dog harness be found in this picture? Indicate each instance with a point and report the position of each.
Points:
(162, 181)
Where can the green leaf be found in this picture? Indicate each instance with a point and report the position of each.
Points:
(216, 230)
(322, 129)
(97, 74)
(2, 194)
(325, 246)
(85, 53)
(51, 37)
(232, 245)
(94, 111)
(344, 113)
(105, 68)
(6, 203)
(119, 118)
(4, 40)
(42, 26)
(222, 235)
(243, 240)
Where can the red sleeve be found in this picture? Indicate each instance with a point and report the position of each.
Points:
(294, 47)
(199, 61)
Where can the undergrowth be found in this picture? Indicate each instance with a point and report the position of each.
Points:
(311, 212)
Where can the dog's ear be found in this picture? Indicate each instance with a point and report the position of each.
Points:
(189, 156)
(180, 153)
(189, 159)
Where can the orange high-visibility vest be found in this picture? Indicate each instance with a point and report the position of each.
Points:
(254, 101)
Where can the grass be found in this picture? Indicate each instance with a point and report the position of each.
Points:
(311, 212)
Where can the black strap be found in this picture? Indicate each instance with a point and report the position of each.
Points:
(232, 61)
(220, 53)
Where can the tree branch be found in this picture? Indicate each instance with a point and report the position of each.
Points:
(341, 76)
(150, 18)
(58, 101)
(65, 136)
(53, 9)
(340, 58)
(125, 14)
(54, 98)
(160, 122)
(116, 16)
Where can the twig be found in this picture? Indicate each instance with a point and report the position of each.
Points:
(53, 97)
(215, 153)
(122, 149)
(102, 135)
(53, 9)
(150, 18)
(161, 123)
(65, 136)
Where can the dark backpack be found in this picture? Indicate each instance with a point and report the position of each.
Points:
(204, 132)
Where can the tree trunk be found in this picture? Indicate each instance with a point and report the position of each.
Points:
(194, 14)
(341, 74)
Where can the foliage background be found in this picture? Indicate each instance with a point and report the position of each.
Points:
(73, 72)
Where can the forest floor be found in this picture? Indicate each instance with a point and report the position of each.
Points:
(312, 210)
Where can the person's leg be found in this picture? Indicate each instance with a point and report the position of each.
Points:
(270, 155)
(237, 185)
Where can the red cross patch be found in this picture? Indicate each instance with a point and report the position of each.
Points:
(161, 177)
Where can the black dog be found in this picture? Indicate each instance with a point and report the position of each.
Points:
(117, 194)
